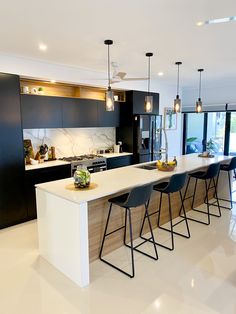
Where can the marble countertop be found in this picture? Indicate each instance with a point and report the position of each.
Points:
(111, 155)
(46, 164)
(124, 178)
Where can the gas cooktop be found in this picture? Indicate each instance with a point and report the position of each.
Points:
(81, 157)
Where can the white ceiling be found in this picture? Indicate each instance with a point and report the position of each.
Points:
(74, 32)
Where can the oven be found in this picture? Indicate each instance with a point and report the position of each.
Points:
(96, 165)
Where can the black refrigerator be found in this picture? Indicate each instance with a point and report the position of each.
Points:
(142, 137)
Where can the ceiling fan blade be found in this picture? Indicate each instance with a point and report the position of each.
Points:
(121, 75)
(135, 79)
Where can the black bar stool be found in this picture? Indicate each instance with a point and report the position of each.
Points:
(210, 174)
(175, 184)
(230, 167)
(137, 197)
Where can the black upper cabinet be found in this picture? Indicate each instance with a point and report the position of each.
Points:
(12, 207)
(108, 118)
(138, 102)
(57, 112)
(41, 111)
(79, 113)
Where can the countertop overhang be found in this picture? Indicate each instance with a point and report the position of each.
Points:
(125, 178)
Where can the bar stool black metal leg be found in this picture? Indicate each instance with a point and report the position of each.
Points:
(150, 227)
(184, 212)
(184, 198)
(217, 200)
(230, 191)
(171, 224)
(105, 231)
(126, 212)
(194, 193)
(208, 208)
(159, 211)
(131, 242)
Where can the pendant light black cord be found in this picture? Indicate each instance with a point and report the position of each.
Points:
(178, 64)
(108, 67)
(149, 55)
(108, 42)
(149, 63)
(200, 83)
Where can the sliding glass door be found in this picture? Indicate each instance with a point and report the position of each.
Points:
(232, 136)
(215, 132)
(209, 131)
(194, 133)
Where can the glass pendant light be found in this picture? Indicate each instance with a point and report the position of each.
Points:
(109, 92)
(148, 104)
(177, 101)
(199, 101)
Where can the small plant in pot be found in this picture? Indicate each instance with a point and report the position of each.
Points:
(81, 177)
(40, 90)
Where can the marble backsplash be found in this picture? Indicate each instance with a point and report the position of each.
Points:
(71, 142)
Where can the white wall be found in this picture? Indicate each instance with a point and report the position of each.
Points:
(210, 96)
(47, 71)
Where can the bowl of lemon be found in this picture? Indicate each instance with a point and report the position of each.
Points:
(166, 166)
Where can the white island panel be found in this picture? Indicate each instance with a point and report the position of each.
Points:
(63, 235)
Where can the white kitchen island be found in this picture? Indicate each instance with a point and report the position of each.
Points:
(70, 222)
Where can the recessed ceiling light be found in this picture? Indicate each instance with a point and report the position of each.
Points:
(160, 73)
(217, 21)
(43, 47)
(200, 23)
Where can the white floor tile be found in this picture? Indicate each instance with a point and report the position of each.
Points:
(198, 277)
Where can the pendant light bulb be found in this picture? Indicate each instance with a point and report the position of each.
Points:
(177, 101)
(198, 107)
(109, 97)
(148, 103)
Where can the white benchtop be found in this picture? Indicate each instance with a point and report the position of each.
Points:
(46, 164)
(120, 179)
(111, 155)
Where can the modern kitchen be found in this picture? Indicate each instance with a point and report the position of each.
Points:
(118, 158)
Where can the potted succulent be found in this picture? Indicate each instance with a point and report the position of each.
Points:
(81, 177)
(40, 90)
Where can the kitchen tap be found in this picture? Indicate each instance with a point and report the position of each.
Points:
(164, 150)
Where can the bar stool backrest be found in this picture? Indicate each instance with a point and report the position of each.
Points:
(232, 164)
(139, 195)
(176, 182)
(212, 171)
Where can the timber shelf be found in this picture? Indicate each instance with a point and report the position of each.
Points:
(43, 88)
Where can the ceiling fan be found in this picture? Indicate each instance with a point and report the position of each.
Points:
(118, 76)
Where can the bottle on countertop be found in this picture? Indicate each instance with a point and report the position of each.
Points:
(120, 143)
(53, 152)
(175, 160)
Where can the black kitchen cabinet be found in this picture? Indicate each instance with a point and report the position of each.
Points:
(79, 113)
(138, 98)
(12, 205)
(36, 176)
(135, 106)
(108, 118)
(120, 161)
(41, 111)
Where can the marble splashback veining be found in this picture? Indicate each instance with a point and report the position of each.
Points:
(71, 142)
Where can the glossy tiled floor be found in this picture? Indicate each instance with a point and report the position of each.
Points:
(198, 277)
